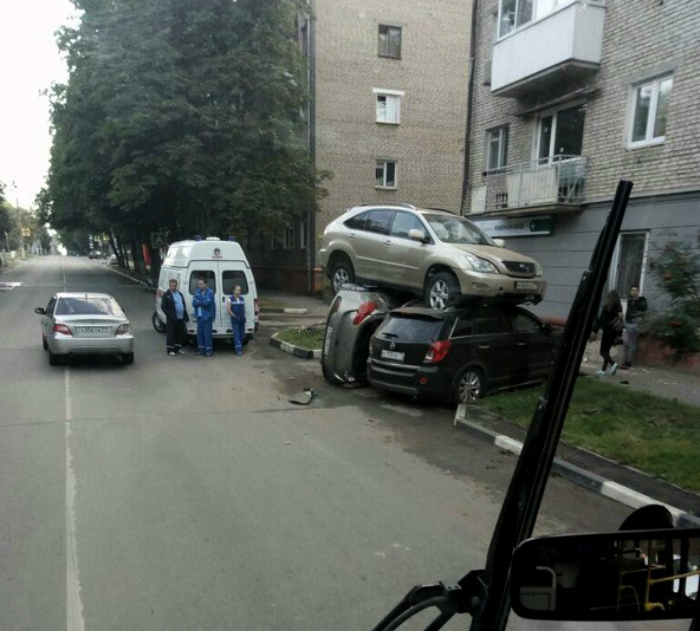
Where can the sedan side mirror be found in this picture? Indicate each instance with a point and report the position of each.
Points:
(417, 235)
(40, 310)
(500, 243)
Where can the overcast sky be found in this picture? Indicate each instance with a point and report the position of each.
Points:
(29, 63)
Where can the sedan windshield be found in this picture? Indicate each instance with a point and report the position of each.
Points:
(452, 229)
(88, 306)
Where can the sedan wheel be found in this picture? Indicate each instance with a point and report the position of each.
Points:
(158, 324)
(470, 386)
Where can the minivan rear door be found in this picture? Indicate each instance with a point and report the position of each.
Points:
(210, 271)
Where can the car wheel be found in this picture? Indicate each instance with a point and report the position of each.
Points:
(470, 386)
(128, 359)
(342, 273)
(441, 291)
(44, 344)
(54, 360)
(157, 323)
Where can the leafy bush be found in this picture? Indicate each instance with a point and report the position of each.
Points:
(676, 268)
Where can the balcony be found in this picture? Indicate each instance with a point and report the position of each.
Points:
(551, 185)
(562, 47)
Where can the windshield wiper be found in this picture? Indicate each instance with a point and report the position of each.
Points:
(484, 593)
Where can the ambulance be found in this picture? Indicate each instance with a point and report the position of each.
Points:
(224, 265)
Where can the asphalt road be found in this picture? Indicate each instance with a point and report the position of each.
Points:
(187, 494)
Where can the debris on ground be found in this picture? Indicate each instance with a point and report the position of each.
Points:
(304, 397)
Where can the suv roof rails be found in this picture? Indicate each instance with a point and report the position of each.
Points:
(400, 204)
(446, 210)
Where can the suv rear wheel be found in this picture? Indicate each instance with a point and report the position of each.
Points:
(342, 273)
(441, 290)
(469, 386)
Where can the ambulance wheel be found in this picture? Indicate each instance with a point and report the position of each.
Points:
(158, 324)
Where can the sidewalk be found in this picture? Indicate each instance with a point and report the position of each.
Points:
(661, 381)
(276, 301)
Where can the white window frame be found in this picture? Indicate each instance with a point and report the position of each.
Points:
(612, 275)
(502, 147)
(649, 139)
(384, 187)
(289, 237)
(393, 94)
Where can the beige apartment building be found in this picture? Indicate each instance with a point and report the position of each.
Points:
(569, 96)
(389, 80)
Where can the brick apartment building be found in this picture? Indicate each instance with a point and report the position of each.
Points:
(569, 96)
(389, 80)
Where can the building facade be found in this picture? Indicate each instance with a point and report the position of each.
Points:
(389, 80)
(570, 96)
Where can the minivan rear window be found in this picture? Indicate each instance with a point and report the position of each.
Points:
(197, 274)
(410, 328)
(231, 278)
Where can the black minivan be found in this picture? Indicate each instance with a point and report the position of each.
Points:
(460, 353)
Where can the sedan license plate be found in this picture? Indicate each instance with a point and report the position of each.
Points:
(393, 355)
(520, 284)
(95, 330)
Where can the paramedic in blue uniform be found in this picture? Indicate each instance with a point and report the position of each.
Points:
(204, 305)
(173, 305)
(236, 309)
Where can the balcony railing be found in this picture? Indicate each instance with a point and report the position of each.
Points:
(554, 181)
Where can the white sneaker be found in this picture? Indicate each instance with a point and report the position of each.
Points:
(182, 352)
(600, 373)
(171, 353)
(613, 370)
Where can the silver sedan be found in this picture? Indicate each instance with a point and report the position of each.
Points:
(85, 324)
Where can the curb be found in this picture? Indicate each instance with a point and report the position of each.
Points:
(131, 278)
(288, 310)
(297, 351)
(593, 482)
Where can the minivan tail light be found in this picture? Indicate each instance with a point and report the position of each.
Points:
(365, 310)
(256, 307)
(123, 329)
(62, 328)
(437, 351)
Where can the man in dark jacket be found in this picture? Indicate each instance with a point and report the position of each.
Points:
(636, 307)
(173, 305)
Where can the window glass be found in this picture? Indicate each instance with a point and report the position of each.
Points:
(507, 17)
(378, 221)
(197, 274)
(641, 111)
(464, 327)
(453, 229)
(385, 174)
(569, 134)
(357, 222)
(662, 107)
(545, 140)
(522, 322)
(489, 322)
(650, 111)
(389, 41)
(403, 222)
(231, 278)
(88, 306)
(630, 265)
(497, 148)
(410, 328)
(388, 107)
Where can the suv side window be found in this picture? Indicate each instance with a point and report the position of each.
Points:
(489, 322)
(524, 323)
(464, 327)
(403, 222)
(357, 222)
(378, 221)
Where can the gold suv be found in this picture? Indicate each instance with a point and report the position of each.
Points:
(432, 253)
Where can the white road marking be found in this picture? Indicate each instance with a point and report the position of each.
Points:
(74, 604)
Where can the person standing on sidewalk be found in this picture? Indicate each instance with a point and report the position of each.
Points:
(236, 309)
(610, 321)
(204, 305)
(636, 306)
(173, 306)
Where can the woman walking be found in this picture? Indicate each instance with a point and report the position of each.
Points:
(611, 323)
(236, 309)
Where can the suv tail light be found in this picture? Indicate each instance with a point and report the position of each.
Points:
(437, 352)
(256, 307)
(62, 328)
(123, 329)
(364, 312)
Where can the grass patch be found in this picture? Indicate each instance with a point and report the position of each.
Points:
(308, 337)
(655, 435)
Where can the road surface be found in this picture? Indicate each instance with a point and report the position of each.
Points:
(185, 493)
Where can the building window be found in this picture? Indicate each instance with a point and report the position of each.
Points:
(561, 133)
(289, 237)
(497, 147)
(513, 14)
(304, 233)
(649, 111)
(385, 174)
(390, 41)
(388, 106)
